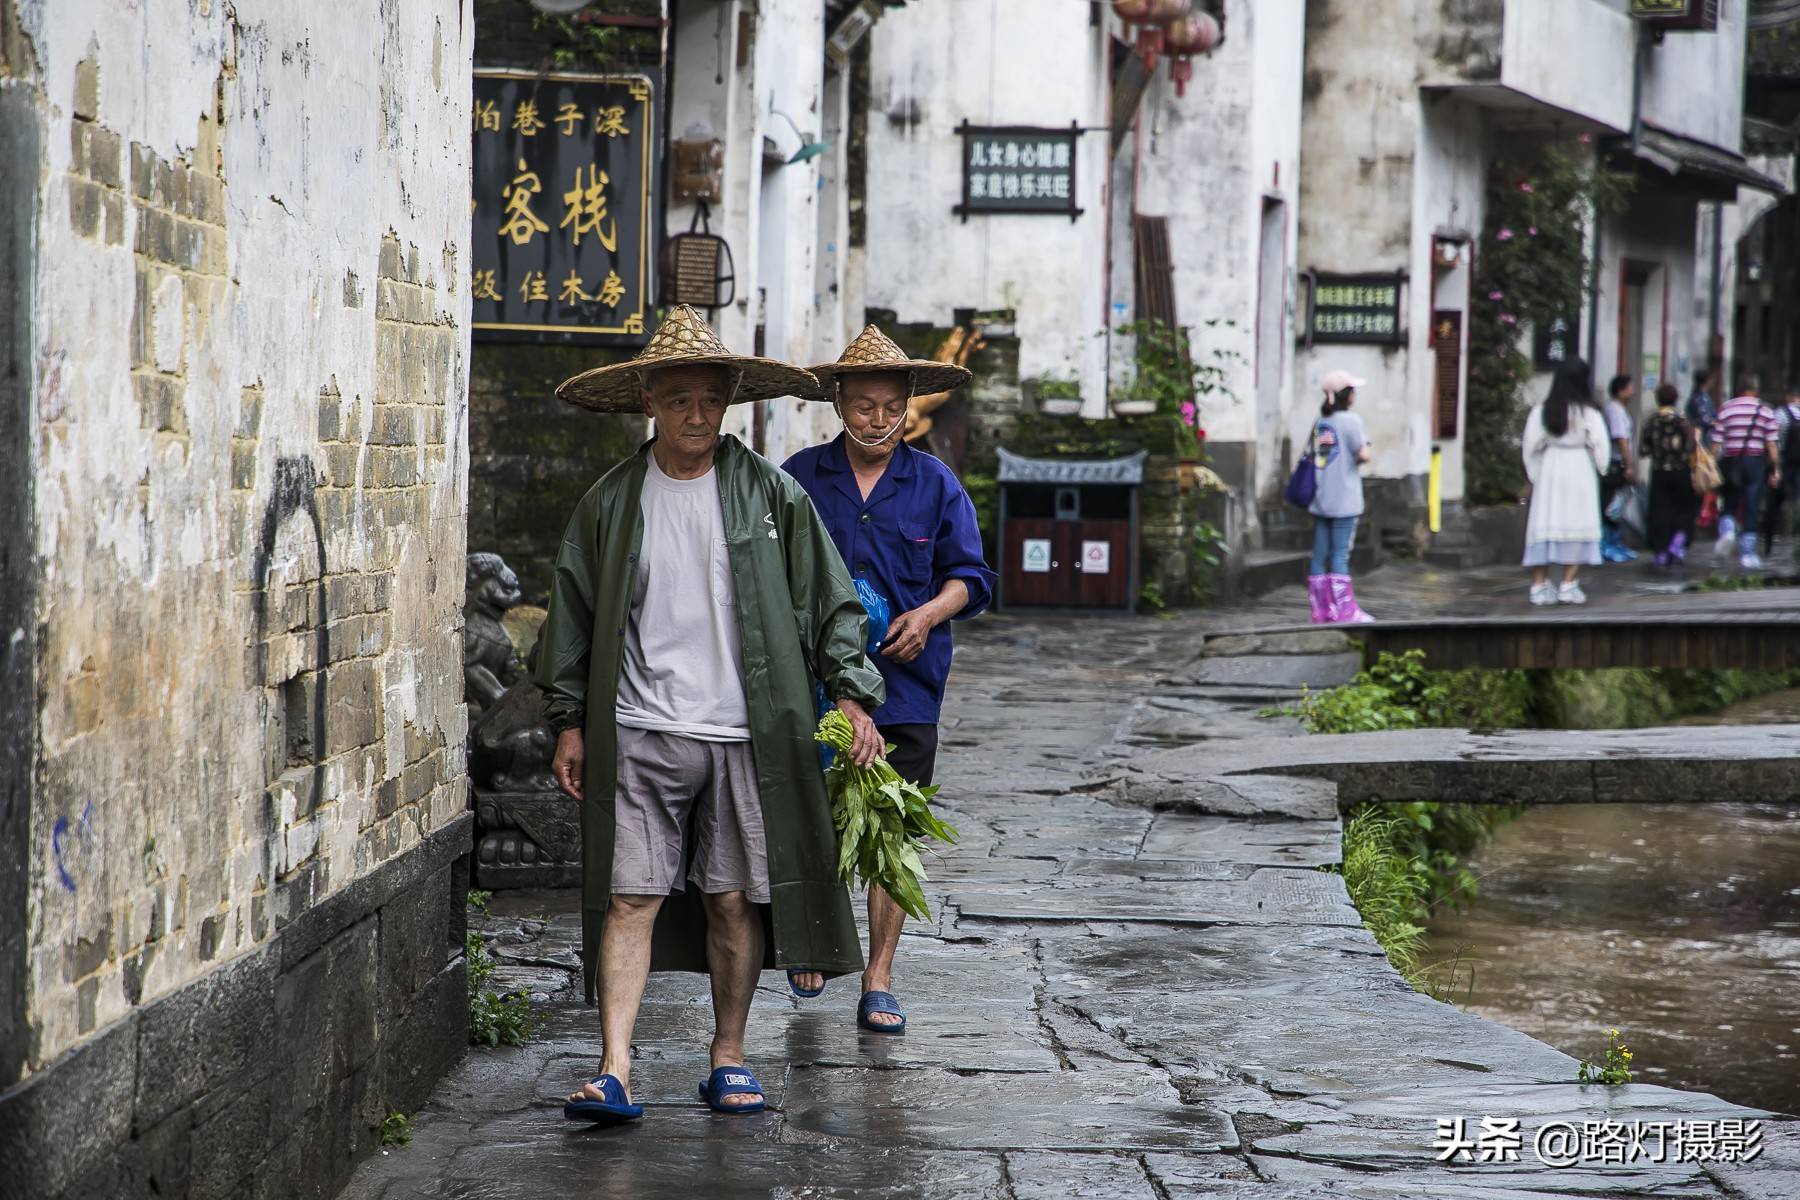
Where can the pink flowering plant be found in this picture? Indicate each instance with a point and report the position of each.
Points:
(1531, 268)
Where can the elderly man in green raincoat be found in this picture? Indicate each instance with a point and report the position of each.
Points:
(696, 599)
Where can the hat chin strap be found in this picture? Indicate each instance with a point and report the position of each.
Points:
(879, 442)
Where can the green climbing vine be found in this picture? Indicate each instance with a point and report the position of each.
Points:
(1531, 268)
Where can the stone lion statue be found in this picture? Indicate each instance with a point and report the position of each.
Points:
(490, 664)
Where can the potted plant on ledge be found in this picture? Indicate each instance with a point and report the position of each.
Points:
(1058, 397)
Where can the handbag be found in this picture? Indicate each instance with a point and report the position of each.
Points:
(1703, 471)
(1303, 484)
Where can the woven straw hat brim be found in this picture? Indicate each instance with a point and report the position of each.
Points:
(929, 377)
(619, 388)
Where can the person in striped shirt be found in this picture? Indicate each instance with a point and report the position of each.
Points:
(1748, 437)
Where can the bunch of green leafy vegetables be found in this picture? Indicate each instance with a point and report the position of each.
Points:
(881, 820)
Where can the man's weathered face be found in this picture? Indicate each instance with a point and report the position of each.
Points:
(688, 405)
(872, 405)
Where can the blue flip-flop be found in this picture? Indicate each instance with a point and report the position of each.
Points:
(799, 991)
(731, 1081)
(880, 1002)
(614, 1110)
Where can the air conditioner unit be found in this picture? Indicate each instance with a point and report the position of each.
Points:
(1701, 15)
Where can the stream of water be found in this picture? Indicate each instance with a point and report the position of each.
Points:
(1678, 924)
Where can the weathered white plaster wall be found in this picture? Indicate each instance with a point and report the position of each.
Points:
(249, 308)
(1361, 129)
(1208, 161)
(1574, 55)
(1694, 82)
(990, 62)
(770, 215)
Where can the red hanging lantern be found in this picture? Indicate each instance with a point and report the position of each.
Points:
(1153, 29)
(1132, 12)
(1196, 33)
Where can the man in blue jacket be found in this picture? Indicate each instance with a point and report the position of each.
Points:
(904, 524)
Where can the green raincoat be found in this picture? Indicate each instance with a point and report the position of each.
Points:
(799, 619)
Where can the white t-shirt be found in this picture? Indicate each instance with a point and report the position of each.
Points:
(682, 670)
(1618, 420)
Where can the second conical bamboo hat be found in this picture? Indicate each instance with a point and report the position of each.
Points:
(683, 340)
(874, 351)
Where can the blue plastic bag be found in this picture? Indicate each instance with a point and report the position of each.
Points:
(875, 605)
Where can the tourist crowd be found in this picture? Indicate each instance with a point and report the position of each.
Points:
(1731, 468)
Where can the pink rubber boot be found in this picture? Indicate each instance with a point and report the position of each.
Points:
(1318, 590)
(1344, 608)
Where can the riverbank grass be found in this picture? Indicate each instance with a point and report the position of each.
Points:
(1400, 861)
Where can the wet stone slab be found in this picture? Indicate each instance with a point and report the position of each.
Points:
(1263, 843)
(1116, 1109)
(1268, 896)
(642, 1163)
(1283, 671)
(1523, 1181)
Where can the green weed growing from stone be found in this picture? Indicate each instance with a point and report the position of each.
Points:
(478, 900)
(494, 1019)
(1387, 886)
(1403, 860)
(396, 1130)
(1614, 1069)
(1400, 692)
(1718, 581)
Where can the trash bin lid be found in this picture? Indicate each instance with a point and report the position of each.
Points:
(1128, 471)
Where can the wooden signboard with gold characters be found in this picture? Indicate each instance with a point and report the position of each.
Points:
(564, 234)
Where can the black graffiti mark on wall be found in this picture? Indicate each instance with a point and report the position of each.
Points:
(295, 480)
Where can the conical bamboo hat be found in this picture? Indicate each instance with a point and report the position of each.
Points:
(683, 340)
(874, 351)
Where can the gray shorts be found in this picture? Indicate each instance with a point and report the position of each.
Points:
(679, 792)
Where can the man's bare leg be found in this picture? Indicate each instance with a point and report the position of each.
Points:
(624, 970)
(885, 921)
(734, 955)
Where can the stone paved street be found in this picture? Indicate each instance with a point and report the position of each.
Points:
(1147, 992)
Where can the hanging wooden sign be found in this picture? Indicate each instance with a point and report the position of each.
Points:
(1356, 309)
(564, 236)
(1018, 169)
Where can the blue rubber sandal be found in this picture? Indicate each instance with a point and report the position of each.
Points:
(731, 1081)
(880, 1002)
(800, 991)
(614, 1110)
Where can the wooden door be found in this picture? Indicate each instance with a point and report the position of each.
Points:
(1102, 554)
(1034, 573)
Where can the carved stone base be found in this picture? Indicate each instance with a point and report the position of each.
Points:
(528, 840)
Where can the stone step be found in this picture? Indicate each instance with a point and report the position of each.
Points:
(1266, 570)
(1461, 557)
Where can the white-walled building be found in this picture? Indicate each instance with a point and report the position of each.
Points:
(1407, 104)
(755, 75)
(1197, 191)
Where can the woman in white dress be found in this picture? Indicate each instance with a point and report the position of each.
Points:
(1566, 451)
